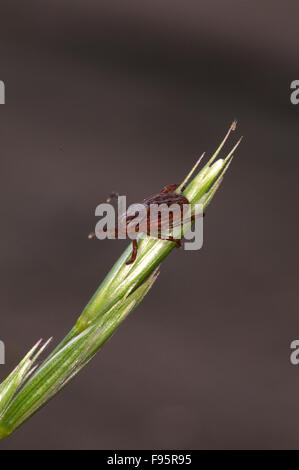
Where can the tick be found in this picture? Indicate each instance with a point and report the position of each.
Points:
(148, 225)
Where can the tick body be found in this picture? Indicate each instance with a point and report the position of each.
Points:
(167, 197)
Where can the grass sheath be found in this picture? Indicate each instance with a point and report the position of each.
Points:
(29, 387)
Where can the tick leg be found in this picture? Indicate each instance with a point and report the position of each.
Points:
(134, 253)
(112, 196)
(193, 217)
(130, 217)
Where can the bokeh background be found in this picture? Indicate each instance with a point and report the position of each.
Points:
(125, 96)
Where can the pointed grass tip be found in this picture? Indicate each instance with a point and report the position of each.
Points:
(40, 350)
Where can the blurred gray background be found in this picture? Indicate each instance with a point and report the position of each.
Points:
(124, 96)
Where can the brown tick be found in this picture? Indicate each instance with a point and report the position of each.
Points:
(168, 197)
